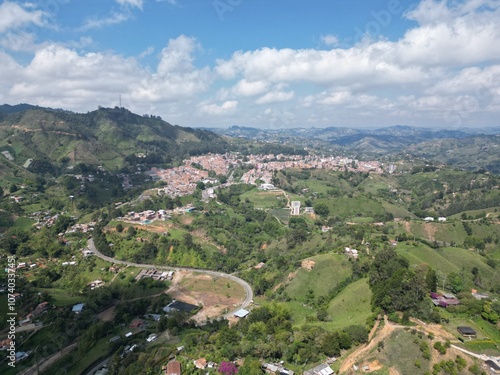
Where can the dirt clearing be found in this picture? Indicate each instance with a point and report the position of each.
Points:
(216, 295)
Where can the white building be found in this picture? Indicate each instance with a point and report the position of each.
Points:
(295, 210)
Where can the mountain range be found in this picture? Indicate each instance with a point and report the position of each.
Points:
(109, 137)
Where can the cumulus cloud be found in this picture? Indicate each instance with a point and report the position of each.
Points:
(330, 40)
(217, 110)
(131, 3)
(59, 76)
(445, 67)
(13, 16)
(176, 77)
(248, 88)
(100, 22)
(275, 97)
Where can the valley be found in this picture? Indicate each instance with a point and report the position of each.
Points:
(237, 253)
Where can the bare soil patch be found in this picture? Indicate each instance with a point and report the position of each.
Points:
(430, 231)
(216, 295)
(186, 219)
(308, 264)
(107, 315)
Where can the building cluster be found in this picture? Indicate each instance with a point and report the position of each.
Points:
(81, 228)
(145, 217)
(183, 180)
(44, 219)
(148, 216)
(155, 275)
(444, 300)
(352, 253)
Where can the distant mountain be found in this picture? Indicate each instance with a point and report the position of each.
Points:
(110, 137)
(470, 148)
(6, 108)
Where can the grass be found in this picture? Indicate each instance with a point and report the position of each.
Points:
(444, 232)
(449, 259)
(265, 199)
(351, 306)
(282, 214)
(401, 351)
(488, 336)
(24, 223)
(5, 219)
(62, 297)
(396, 211)
(346, 207)
(321, 278)
(217, 285)
(98, 350)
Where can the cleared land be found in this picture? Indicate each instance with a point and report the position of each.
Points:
(215, 295)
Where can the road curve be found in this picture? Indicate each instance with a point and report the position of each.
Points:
(243, 283)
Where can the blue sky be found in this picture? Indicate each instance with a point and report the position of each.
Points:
(262, 63)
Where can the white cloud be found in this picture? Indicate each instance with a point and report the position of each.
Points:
(147, 52)
(131, 3)
(176, 77)
(13, 16)
(330, 40)
(275, 97)
(247, 88)
(18, 41)
(217, 110)
(445, 67)
(98, 23)
(58, 76)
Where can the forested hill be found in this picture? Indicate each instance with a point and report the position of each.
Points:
(108, 136)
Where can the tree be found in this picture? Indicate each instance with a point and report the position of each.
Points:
(431, 279)
(322, 209)
(1, 192)
(13, 188)
(455, 282)
(228, 368)
(131, 231)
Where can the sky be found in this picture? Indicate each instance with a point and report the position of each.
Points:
(261, 63)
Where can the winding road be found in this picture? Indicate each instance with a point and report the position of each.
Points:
(243, 283)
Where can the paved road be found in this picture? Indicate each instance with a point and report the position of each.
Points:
(243, 283)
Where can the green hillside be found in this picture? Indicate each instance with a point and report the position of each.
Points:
(329, 270)
(451, 259)
(107, 137)
(351, 306)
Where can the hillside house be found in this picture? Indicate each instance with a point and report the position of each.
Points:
(179, 306)
(137, 323)
(444, 300)
(321, 369)
(200, 363)
(242, 313)
(78, 308)
(172, 368)
(493, 365)
(353, 253)
(273, 368)
(466, 331)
